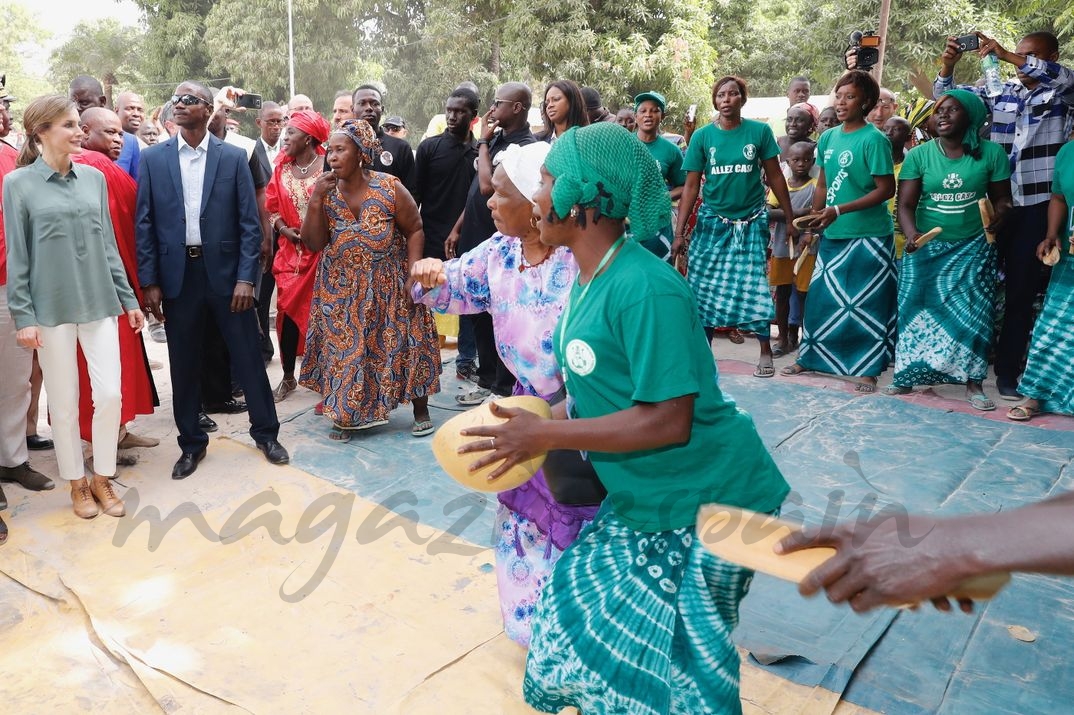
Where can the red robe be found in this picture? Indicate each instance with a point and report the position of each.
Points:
(295, 267)
(139, 393)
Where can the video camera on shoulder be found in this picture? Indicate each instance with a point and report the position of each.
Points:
(865, 47)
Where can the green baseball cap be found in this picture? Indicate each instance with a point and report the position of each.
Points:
(651, 96)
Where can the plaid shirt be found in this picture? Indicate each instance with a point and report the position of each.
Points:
(1030, 125)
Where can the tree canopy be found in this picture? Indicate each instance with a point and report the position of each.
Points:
(421, 49)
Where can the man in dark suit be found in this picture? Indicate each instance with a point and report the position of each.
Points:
(199, 246)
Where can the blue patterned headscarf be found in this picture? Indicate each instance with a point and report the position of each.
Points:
(363, 135)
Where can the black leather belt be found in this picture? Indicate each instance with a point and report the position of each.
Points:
(193, 251)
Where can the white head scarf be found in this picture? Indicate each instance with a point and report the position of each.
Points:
(523, 166)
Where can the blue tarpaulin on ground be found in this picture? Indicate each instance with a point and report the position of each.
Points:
(842, 454)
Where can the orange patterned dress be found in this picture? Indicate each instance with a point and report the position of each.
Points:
(368, 348)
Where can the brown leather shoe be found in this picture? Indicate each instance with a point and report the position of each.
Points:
(82, 499)
(131, 441)
(103, 492)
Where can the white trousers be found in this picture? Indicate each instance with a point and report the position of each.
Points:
(59, 367)
(15, 363)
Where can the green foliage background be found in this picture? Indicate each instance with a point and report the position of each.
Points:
(421, 49)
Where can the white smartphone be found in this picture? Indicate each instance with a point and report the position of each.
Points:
(691, 113)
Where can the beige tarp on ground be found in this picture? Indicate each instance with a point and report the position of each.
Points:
(94, 620)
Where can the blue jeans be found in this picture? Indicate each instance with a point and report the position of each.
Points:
(467, 345)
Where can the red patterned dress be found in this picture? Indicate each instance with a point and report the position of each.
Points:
(368, 348)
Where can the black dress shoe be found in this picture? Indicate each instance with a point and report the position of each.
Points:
(27, 476)
(3, 531)
(231, 407)
(207, 423)
(187, 464)
(37, 443)
(274, 452)
(3, 499)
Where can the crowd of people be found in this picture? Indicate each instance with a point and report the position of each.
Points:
(564, 253)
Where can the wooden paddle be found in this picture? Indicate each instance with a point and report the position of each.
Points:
(988, 215)
(926, 237)
(801, 259)
(747, 538)
(1051, 258)
(805, 221)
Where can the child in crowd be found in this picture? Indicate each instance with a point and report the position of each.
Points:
(897, 130)
(789, 286)
(626, 119)
(826, 120)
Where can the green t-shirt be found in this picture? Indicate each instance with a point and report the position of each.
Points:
(951, 188)
(635, 337)
(731, 161)
(1063, 185)
(669, 158)
(850, 161)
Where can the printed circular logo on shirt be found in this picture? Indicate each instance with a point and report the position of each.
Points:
(846, 158)
(749, 151)
(386, 158)
(952, 181)
(580, 357)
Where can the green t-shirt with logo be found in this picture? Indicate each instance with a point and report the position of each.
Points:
(850, 161)
(634, 337)
(669, 158)
(731, 162)
(951, 188)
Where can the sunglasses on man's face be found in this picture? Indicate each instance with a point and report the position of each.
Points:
(189, 100)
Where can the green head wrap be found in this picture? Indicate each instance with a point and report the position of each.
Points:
(606, 167)
(975, 107)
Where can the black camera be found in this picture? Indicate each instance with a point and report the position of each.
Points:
(968, 42)
(865, 46)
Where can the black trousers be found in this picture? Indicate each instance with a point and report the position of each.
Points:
(215, 363)
(492, 374)
(264, 301)
(1016, 244)
(185, 319)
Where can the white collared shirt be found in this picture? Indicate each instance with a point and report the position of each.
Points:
(271, 151)
(192, 170)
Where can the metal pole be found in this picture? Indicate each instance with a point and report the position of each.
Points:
(885, 12)
(291, 48)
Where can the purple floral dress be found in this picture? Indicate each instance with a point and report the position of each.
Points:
(525, 303)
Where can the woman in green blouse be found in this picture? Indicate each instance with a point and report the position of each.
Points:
(66, 287)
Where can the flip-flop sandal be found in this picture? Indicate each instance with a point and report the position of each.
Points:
(792, 370)
(764, 371)
(370, 425)
(422, 428)
(1022, 413)
(865, 388)
(982, 402)
(339, 434)
(736, 337)
(894, 390)
(778, 352)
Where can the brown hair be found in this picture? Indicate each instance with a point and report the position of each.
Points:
(864, 83)
(38, 116)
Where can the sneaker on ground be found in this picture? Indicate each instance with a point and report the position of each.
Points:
(474, 397)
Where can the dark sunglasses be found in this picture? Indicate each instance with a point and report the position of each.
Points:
(189, 100)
